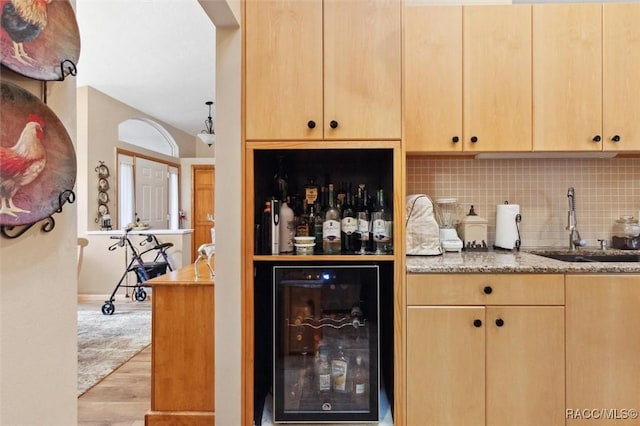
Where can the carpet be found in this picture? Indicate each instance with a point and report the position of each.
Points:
(105, 342)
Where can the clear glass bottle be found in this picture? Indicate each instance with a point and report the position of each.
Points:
(359, 377)
(331, 227)
(381, 226)
(339, 366)
(324, 370)
(287, 228)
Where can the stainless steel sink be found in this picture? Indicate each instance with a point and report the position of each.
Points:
(578, 257)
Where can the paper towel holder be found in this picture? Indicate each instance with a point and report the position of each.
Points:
(518, 241)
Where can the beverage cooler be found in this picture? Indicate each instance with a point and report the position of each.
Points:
(326, 343)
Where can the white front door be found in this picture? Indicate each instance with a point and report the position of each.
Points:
(151, 192)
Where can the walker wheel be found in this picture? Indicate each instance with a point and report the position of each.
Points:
(108, 308)
(140, 294)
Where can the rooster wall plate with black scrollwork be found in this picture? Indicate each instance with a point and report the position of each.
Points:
(37, 36)
(37, 158)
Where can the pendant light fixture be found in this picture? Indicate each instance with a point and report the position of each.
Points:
(208, 136)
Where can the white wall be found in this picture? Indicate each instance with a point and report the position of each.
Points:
(228, 308)
(38, 331)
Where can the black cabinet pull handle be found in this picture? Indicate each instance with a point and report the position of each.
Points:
(597, 138)
(333, 124)
(499, 322)
(311, 124)
(455, 139)
(474, 139)
(616, 138)
(477, 323)
(487, 290)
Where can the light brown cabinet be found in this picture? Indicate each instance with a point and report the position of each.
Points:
(621, 68)
(603, 344)
(567, 77)
(319, 70)
(493, 112)
(485, 349)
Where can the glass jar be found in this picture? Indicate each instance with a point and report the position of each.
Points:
(626, 226)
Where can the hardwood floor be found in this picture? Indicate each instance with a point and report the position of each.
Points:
(123, 397)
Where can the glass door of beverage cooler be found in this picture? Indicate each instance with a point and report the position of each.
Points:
(326, 366)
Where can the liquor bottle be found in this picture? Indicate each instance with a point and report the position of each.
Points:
(287, 228)
(339, 366)
(363, 223)
(348, 224)
(381, 221)
(317, 227)
(311, 190)
(324, 370)
(265, 228)
(331, 227)
(302, 221)
(359, 377)
(280, 180)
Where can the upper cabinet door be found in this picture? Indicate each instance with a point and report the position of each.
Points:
(433, 78)
(362, 69)
(567, 77)
(497, 78)
(621, 71)
(283, 70)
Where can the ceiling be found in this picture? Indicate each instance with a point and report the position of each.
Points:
(157, 56)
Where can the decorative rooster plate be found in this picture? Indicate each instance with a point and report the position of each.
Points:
(37, 158)
(38, 36)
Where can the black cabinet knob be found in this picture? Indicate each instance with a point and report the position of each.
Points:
(477, 323)
(499, 322)
(597, 138)
(333, 124)
(487, 290)
(474, 139)
(455, 139)
(311, 124)
(616, 138)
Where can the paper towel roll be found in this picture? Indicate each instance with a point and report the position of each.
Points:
(506, 227)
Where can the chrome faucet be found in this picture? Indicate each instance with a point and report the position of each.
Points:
(574, 236)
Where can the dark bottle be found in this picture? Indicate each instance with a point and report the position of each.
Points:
(317, 227)
(281, 180)
(348, 224)
(311, 191)
(265, 238)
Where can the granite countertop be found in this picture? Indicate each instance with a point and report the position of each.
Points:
(523, 261)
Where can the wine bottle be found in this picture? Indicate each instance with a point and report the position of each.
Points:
(381, 221)
(363, 222)
(317, 227)
(265, 225)
(348, 224)
(359, 378)
(331, 227)
(280, 180)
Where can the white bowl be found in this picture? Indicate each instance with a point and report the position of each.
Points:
(304, 240)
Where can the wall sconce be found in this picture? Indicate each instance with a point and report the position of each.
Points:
(208, 136)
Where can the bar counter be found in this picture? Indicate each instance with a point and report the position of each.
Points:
(182, 342)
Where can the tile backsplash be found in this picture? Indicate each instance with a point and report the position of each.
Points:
(605, 189)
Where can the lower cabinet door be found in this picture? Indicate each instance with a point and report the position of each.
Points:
(603, 349)
(525, 366)
(445, 365)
